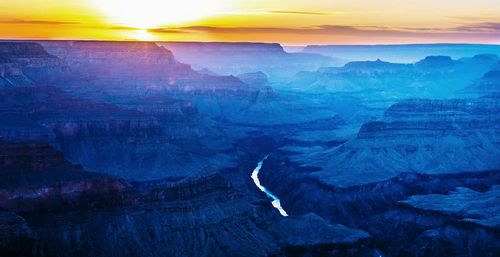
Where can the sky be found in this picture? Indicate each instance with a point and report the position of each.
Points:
(289, 22)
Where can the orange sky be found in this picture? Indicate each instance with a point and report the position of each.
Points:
(288, 22)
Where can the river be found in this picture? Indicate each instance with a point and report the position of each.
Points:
(275, 200)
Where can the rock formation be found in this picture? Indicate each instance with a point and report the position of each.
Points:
(27, 63)
(237, 58)
(133, 69)
(401, 53)
(140, 142)
(66, 211)
(426, 136)
(118, 148)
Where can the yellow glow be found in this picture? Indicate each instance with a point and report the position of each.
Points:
(142, 35)
(287, 22)
(154, 13)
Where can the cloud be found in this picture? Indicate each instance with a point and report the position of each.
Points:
(114, 27)
(40, 22)
(299, 12)
(476, 18)
(169, 31)
(322, 29)
(493, 27)
(268, 12)
(489, 30)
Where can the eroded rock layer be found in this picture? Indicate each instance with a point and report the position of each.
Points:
(66, 211)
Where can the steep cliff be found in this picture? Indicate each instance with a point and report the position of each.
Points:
(397, 178)
(401, 53)
(37, 178)
(466, 204)
(396, 229)
(237, 58)
(424, 136)
(133, 69)
(16, 238)
(27, 63)
(66, 211)
(143, 139)
(11, 74)
(487, 84)
(431, 77)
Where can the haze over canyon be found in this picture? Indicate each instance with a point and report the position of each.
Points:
(246, 149)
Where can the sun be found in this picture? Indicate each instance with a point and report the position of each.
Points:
(141, 35)
(145, 14)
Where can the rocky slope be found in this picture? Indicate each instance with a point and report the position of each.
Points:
(161, 115)
(11, 74)
(371, 87)
(131, 74)
(489, 83)
(237, 58)
(143, 139)
(431, 77)
(133, 69)
(380, 180)
(427, 136)
(376, 208)
(16, 238)
(358, 168)
(35, 177)
(481, 208)
(121, 72)
(400, 53)
(66, 211)
(27, 63)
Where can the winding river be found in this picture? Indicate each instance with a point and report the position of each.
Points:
(276, 201)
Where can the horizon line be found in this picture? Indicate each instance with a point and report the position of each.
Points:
(247, 42)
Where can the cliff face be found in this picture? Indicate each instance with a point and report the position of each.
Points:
(37, 178)
(11, 74)
(401, 53)
(66, 211)
(421, 180)
(439, 222)
(117, 60)
(471, 217)
(24, 64)
(344, 147)
(27, 63)
(425, 136)
(224, 47)
(30, 156)
(255, 79)
(481, 208)
(16, 238)
(431, 77)
(237, 58)
(53, 112)
(202, 217)
(122, 72)
(139, 122)
(489, 83)
(147, 78)
(134, 69)
(143, 139)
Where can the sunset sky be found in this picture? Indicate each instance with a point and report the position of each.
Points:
(288, 22)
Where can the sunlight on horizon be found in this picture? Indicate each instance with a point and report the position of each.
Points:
(271, 21)
(142, 35)
(148, 14)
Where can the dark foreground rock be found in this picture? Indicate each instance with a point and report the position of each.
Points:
(16, 238)
(63, 210)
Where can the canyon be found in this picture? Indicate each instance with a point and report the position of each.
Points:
(244, 149)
